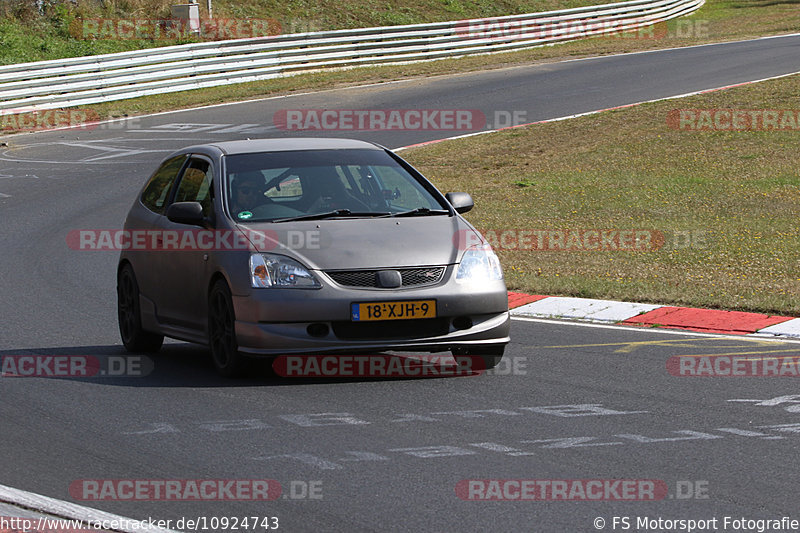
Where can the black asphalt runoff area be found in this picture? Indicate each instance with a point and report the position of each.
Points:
(569, 402)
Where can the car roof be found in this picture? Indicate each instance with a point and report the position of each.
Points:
(250, 146)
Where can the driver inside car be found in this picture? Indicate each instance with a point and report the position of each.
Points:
(247, 193)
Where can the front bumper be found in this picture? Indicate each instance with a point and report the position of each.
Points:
(276, 321)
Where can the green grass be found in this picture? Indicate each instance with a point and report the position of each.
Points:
(727, 203)
(27, 35)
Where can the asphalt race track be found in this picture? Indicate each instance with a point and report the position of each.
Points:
(570, 401)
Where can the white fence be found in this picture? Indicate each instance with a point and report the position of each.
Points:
(92, 79)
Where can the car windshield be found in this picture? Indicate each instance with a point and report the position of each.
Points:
(283, 186)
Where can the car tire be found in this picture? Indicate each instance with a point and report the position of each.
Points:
(490, 354)
(225, 354)
(129, 317)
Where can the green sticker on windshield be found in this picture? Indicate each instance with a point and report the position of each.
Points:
(245, 215)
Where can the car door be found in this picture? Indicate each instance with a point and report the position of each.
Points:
(146, 216)
(183, 260)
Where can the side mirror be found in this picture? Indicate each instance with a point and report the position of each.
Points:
(461, 201)
(190, 213)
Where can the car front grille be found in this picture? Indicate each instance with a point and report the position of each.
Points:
(412, 277)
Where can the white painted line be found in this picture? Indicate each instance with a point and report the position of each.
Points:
(790, 328)
(654, 330)
(5, 195)
(583, 309)
(62, 509)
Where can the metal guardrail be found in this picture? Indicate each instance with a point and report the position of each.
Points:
(86, 80)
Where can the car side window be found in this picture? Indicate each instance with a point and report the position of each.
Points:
(195, 185)
(157, 189)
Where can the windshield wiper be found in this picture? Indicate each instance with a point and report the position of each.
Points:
(334, 214)
(421, 211)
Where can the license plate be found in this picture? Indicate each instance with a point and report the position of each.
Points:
(393, 310)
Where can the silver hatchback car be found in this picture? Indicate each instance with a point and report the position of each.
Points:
(305, 246)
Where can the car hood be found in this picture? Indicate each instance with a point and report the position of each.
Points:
(366, 242)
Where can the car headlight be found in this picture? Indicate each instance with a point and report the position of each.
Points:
(478, 264)
(272, 270)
